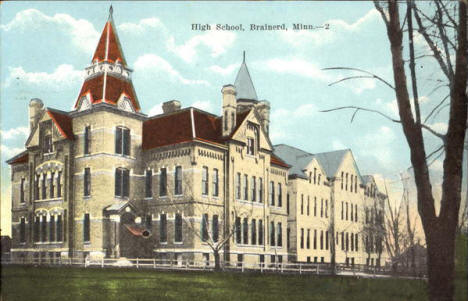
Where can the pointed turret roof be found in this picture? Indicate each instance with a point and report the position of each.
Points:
(108, 79)
(108, 48)
(244, 85)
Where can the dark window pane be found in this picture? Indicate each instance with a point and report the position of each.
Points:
(86, 228)
(118, 140)
(118, 181)
(163, 182)
(163, 228)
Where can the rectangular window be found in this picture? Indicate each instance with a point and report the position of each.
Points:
(205, 180)
(178, 180)
(204, 227)
(59, 228)
(260, 190)
(308, 239)
(347, 241)
(122, 141)
(254, 232)
(356, 243)
(36, 187)
(355, 185)
(23, 230)
(326, 240)
(342, 180)
(326, 208)
(280, 195)
(215, 228)
(51, 185)
(302, 204)
(238, 230)
(52, 228)
(86, 228)
(43, 186)
(352, 212)
(288, 238)
(48, 147)
(37, 227)
(260, 232)
(352, 240)
(44, 228)
(342, 241)
(87, 182)
(122, 182)
(250, 146)
(346, 211)
(308, 205)
(315, 175)
(246, 188)
(59, 184)
(238, 186)
(346, 184)
(355, 213)
(272, 233)
(253, 186)
(163, 228)
(272, 193)
(178, 228)
(315, 206)
(315, 239)
(163, 182)
(321, 208)
(302, 238)
(319, 179)
(280, 235)
(321, 239)
(287, 203)
(148, 183)
(245, 231)
(86, 140)
(215, 182)
(22, 190)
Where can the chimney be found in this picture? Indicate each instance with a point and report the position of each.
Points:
(36, 107)
(263, 110)
(229, 109)
(171, 106)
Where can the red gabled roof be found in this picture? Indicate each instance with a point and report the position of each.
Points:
(177, 128)
(19, 159)
(108, 48)
(115, 87)
(63, 123)
(277, 161)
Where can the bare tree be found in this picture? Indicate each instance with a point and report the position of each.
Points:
(437, 29)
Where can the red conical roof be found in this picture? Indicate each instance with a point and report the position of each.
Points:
(108, 48)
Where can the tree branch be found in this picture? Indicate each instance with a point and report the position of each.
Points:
(371, 75)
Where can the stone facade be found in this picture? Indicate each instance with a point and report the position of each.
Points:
(105, 180)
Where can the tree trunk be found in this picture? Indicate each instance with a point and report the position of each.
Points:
(440, 256)
(217, 260)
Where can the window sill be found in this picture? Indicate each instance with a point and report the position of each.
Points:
(148, 198)
(178, 242)
(163, 243)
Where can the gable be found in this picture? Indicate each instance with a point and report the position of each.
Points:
(61, 127)
(242, 130)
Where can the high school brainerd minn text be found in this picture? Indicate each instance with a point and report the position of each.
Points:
(257, 27)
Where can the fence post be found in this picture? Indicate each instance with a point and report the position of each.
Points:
(317, 267)
(102, 262)
(137, 263)
(154, 263)
(242, 266)
(300, 269)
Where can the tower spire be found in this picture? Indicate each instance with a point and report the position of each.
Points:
(243, 60)
(244, 86)
(111, 11)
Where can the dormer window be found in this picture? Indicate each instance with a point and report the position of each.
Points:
(48, 147)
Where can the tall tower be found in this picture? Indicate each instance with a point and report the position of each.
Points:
(108, 78)
(229, 109)
(247, 96)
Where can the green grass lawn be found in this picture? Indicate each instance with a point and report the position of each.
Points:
(69, 284)
(40, 283)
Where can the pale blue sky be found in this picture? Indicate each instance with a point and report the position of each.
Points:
(46, 45)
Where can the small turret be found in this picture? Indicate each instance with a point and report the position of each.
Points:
(36, 107)
(229, 109)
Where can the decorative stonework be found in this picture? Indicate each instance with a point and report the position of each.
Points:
(170, 154)
(116, 70)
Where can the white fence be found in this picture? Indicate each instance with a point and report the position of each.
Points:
(157, 264)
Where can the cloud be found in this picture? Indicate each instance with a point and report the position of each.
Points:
(203, 105)
(304, 110)
(142, 26)
(337, 145)
(440, 127)
(223, 70)
(318, 37)
(8, 152)
(156, 110)
(14, 132)
(216, 41)
(295, 66)
(63, 76)
(378, 146)
(153, 63)
(82, 32)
